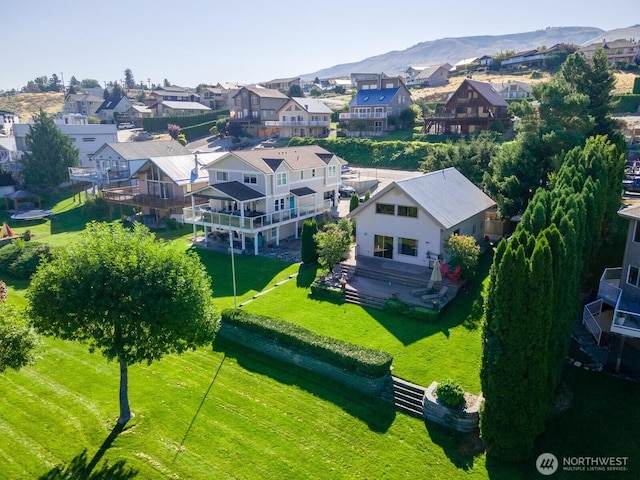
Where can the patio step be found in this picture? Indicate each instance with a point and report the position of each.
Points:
(408, 397)
(359, 298)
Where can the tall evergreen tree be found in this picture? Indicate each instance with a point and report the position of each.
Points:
(51, 153)
(129, 82)
(308, 246)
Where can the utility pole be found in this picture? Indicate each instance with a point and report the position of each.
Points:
(62, 78)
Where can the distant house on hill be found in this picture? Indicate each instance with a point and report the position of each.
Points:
(617, 51)
(512, 89)
(473, 107)
(253, 106)
(533, 58)
(82, 103)
(302, 117)
(378, 98)
(283, 84)
(433, 76)
(112, 107)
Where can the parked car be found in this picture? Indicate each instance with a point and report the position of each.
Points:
(346, 190)
(631, 184)
(345, 169)
(126, 126)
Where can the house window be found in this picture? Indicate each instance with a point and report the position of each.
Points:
(313, 172)
(405, 211)
(333, 170)
(633, 276)
(281, 179)
(222, 176)
(279, 204)
(382, 246)
(385, 208)
(89, 139)
(301, 174)
(250, 178)
(636, 233)
(408, 246)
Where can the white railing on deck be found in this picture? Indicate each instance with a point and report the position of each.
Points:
(204, 216)
(589, 319)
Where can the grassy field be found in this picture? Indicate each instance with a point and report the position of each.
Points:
(226, 412)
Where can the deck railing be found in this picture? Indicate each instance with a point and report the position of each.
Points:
(609, 287)
(589, 319)
(204, 216)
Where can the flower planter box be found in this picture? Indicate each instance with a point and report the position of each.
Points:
(465, 419)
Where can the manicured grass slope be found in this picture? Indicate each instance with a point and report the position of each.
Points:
(208, 414)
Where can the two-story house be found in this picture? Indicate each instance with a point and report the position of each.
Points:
(262, 196)
(433, 76)
(136, 114)
(82, 103)
(302, 117)
(378, 97)
(213, 98)
(253, 106)
(112, 108)
(473, 107)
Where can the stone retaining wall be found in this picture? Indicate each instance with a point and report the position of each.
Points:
(462, 420)
(246, 338)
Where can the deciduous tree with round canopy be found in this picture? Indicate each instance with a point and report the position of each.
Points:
(122, 292)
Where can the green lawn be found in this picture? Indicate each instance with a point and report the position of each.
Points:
(228, 412)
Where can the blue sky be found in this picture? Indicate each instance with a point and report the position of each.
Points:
(206, 41)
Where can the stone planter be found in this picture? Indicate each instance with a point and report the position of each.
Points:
(461, 419)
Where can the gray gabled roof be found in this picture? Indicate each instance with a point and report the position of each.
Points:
(237, 191)
(488, 92)
(312, 105)
(297, 158)
(142, 150)
(446, 195)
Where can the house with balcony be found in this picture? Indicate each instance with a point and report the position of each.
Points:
(615, 314)
(472, 108)
(115, 163)
(409, 221)
(161, 185)
(512, 89)
(253, 106)
(213, 97)
(533, 58)
(378, 98)
(136, 114)
(283, 84)
(617, 51)
(302, 117)
(259, 197)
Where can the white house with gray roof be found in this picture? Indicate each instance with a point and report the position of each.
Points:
(302, 117)
(116, 162)
(410, 220)
(263, 196)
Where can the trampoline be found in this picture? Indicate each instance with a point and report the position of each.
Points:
(31, 214)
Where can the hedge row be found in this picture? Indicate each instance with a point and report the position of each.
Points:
(197, 131)
(159, 124)
(323, 292)
(353, 358)
(364, 152)
(20, 259)
(627, 103)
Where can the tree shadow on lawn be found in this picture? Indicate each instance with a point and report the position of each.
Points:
(460, 448)
(82, 468)
(378, 415)
(68, 221)
(467, 309)
(252, 273)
